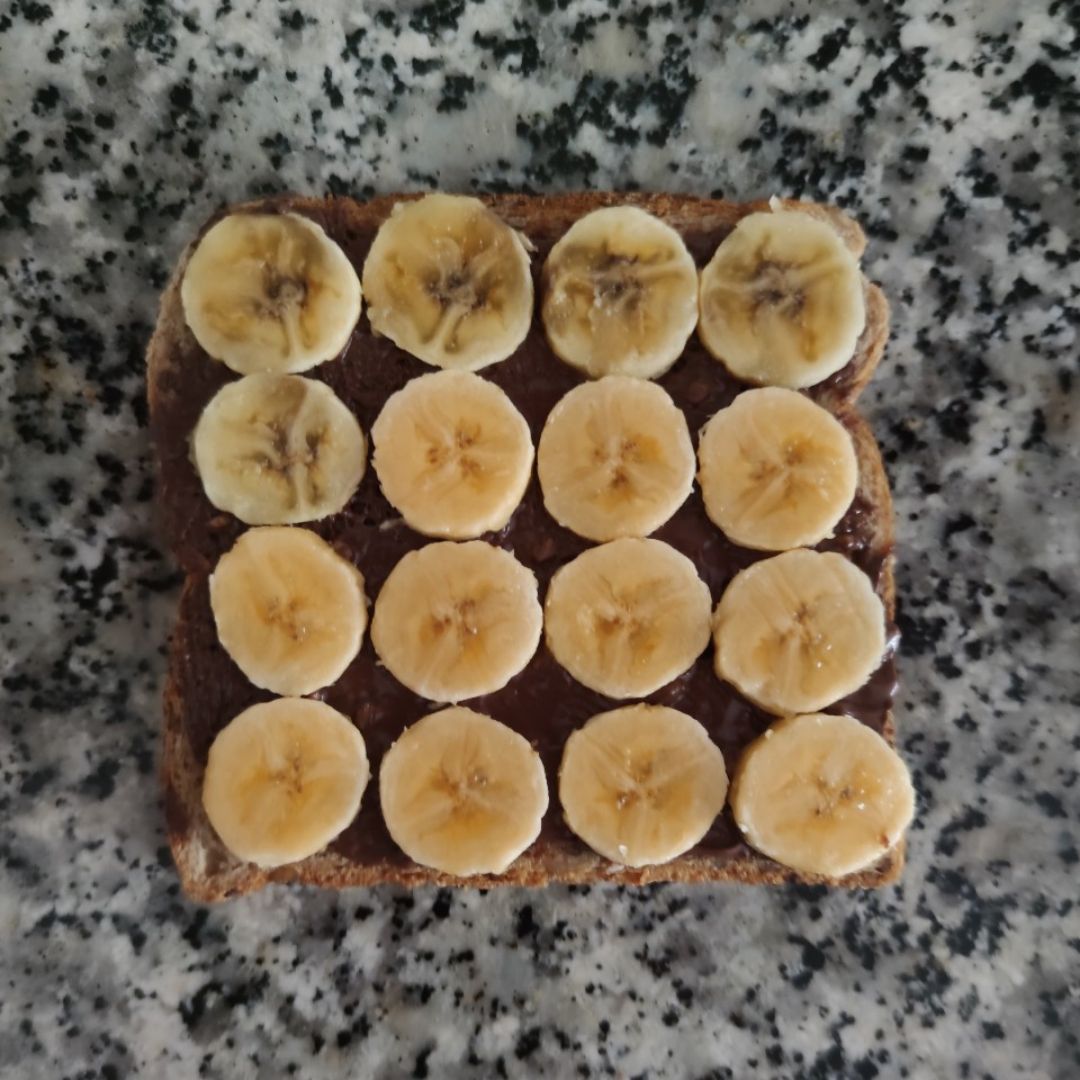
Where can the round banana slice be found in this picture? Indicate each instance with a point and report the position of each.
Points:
(642, 784)
(777, 470)
(615, 459)
(278, 450)
(462, 793)
(448, 281)
(452, 454)
(822, 794)
(799, 631)
(270, 292)
(782, 301)
(283, 779)
(620, 294)
(289, 610)
(454, 621)
(627, 617)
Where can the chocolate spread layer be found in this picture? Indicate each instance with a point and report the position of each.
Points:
(543, 702)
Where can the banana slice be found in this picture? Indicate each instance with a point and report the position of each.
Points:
(627, 617)
(270, 292)
(620, 294)
(283, 779)
(278, 450)
(777, 470)
(799, 631)
(454, 621)
(822, 794)
(782, 301)
(289, 610)
(448, 281)
(462, 793)
(615, 459)
(452, 454)
(641, 784)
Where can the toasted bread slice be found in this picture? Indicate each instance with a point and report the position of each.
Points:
(181, 379)
(209, 872)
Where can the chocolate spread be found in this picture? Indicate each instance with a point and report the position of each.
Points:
(543, 702)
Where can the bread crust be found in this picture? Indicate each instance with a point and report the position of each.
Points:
(208, 872)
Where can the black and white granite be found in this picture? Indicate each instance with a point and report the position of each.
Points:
(951, 132)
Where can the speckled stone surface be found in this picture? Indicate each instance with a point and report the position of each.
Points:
(951, 131)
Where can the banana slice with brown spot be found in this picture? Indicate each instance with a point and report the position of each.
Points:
(822, 794)
(270, 293)
(777, 470)
(782, 301)
(799, 631)
(462, 793)
(627, 617)
(278, 450)
(448, 281)
(620, 294)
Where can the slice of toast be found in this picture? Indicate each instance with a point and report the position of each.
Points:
(204, 690)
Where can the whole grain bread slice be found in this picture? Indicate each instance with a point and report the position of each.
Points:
(209, 872)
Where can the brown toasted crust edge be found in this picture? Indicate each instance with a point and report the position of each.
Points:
(208, 872)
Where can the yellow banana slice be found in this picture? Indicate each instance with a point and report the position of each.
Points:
(452, 454)
(283, 779)
(289, 610)
(642, 784)
(799, 631)
(462, 793)
(782, 301)
(627, 617)
(615, 459)
(278, 450)
(620, 294)
(822, 794)
(777, 470)
(448, 281)
(270, 292)
(454, 621)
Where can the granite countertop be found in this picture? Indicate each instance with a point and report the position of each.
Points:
(951, 132)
